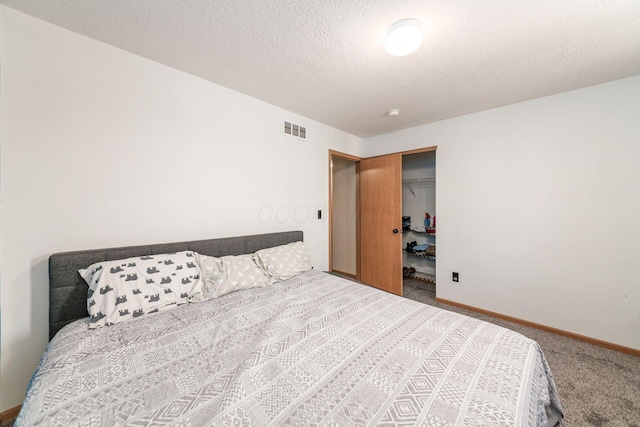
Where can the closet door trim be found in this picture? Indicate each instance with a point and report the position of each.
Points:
(420, 150)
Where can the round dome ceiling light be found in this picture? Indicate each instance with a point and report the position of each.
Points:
(404, 37)
(393, 113)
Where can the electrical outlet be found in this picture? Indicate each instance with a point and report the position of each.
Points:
(455, 277)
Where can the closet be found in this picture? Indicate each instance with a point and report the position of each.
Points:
(343, 221)
(388, 188)
(419, 217)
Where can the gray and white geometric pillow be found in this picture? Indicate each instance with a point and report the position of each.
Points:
(284, 262)
(124, 289)
(227, 274)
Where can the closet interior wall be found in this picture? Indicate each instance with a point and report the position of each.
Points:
(418, 197)
(344, 216)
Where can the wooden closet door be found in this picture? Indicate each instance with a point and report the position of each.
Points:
(381, 222)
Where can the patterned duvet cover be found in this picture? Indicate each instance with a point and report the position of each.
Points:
(313, 350)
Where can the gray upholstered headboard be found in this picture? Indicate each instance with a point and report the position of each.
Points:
(68, 291)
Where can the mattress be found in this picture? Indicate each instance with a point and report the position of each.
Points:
(313, 350)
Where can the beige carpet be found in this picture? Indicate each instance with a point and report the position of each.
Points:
(597, 387)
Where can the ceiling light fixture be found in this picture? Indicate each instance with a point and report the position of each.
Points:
(404, 37)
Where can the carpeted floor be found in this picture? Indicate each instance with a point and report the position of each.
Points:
(598, 387)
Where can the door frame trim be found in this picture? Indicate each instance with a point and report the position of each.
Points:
(420, 150)
(404, 153)
(356, 160)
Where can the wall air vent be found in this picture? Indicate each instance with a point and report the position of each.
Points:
(295, 130)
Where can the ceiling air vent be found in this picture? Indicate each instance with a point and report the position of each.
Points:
(292, 129)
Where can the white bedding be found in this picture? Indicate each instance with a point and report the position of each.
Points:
(312, 350)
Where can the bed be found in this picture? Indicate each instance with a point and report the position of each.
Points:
(315, 349)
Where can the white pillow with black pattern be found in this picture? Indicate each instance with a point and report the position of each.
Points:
(284, 262)
(227, 274)
(127, 288)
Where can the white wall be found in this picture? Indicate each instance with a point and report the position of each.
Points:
(102, 148)
(344, 216)
(539, 208)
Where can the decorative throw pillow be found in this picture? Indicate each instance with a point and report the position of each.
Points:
(123, 289)
(227, 274)
(284, 262)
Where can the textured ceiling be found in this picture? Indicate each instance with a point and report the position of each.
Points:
(325, 59)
